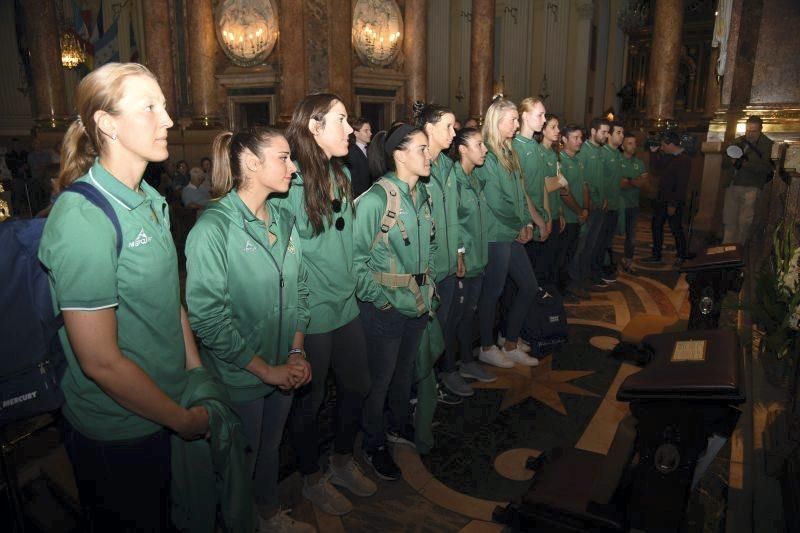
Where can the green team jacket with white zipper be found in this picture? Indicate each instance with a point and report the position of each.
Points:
(328, 259)
(245, 296)
(473, 212)
(416, 257)
(505, 197)
(441, 187)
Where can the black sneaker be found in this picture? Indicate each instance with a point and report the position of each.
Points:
(599, 283)
(381, 461)
(446, 397)
(608, 278)
(404, 436)
(652, 260)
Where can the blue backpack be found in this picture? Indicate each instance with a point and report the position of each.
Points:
(32, 360)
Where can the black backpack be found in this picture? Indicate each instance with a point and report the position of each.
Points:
(545, 327)
(32, 360)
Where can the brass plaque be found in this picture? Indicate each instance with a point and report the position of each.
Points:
(689, 351)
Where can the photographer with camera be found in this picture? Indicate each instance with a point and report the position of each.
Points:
(749, 168)
(672, 165)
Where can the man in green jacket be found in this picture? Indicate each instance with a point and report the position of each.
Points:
(747, 176)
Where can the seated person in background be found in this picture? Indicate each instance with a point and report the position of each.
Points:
(181, 177)
(194, 195)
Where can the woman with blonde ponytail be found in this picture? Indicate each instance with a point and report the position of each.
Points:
(510, 227)
(126, 337)
(247, 297)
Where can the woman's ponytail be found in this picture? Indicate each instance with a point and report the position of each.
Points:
(77, 155)
(221, 175)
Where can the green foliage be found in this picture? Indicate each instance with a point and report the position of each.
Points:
(777, 298)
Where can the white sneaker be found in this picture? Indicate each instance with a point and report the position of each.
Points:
(521, 344)
(352, 478)
(281, 522)
(518, 356)
(494, 357)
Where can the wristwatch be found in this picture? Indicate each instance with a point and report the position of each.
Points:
(297, 351)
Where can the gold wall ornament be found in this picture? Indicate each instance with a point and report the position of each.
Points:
(377, 31)
(5, 211)
(247, 30)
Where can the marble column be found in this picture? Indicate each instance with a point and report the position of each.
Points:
(44, 40)
(341, 67)
(202, 45)
(415, 50)
(158, 48)
(481, 58)
(292, 58)
(662, 77)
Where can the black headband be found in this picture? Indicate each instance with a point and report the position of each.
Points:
(396, 137)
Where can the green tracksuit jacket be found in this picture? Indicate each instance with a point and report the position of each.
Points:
(328, 260)
(246, 297)
(473, 213)
(506, 199)
(441, 187)
(531, 156)
(371, 254)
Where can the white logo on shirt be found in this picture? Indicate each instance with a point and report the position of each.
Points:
(249, 247)
(290, 248)
(140, 239)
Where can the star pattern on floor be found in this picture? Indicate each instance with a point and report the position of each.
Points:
(541, 383)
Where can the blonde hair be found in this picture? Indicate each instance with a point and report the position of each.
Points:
(100, 90)
(502, 148)
(527, 105)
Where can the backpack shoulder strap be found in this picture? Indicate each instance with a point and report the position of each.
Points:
(90, 192)
(391, 212)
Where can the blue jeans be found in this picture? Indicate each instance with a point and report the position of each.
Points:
(460, 336)
(506, 259)
(262, 424)
(631, 214)
(392, 345)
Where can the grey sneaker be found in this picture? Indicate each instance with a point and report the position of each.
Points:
(473, 370)
(281, 522)
(326, 497)
(456, 384)
(352, 478)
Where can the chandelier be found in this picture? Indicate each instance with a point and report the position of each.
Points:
(633, 15)
(377, 36)
(247, 30)
(72, 51)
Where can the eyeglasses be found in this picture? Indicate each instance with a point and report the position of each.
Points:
(336, 204)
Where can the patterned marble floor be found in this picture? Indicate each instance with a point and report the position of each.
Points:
(421, 502)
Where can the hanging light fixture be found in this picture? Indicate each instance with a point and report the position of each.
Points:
(72, 50)
(377, 31)
(247, 30)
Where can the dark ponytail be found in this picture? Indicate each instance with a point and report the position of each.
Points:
(423, 113)
(380, 152)
(226, 171)
(461, 139)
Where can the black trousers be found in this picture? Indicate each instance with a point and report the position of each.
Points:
(344, 350)
(568, 245)
(660, 215)
(123, 485)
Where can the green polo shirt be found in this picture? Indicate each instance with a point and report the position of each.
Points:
(441, 187)
(505, 197)
(591, 156)
(631, 168)
(572, 169)
(611, 178)
(78, 248)
(328, 260)
(531, 155)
